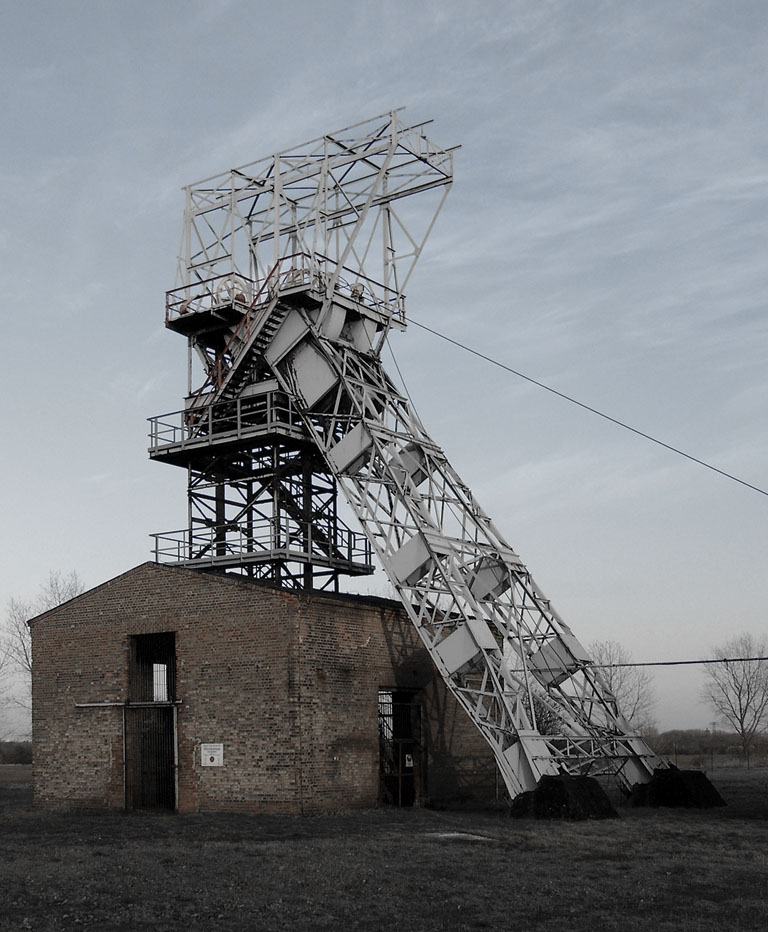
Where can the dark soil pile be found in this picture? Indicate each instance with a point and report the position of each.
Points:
(689, 789)
(564, 797)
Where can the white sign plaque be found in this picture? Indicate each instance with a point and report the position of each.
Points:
(212, 755)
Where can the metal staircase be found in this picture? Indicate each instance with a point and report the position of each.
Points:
(260, 499)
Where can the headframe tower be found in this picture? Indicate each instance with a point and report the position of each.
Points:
(292, 275)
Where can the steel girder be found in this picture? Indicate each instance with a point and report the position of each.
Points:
(340, 198)
(295, 267)
(506, 655)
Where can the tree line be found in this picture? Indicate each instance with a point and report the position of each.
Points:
(735, 690)
(704, 742)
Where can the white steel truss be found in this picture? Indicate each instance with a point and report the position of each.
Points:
(337, 199)
(282, 253)
(510, 660)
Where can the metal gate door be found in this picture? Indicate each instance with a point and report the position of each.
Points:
(399, 744)
(150, 757)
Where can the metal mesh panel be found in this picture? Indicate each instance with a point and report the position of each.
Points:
(150, 780)
(399, 745)
(150, 743)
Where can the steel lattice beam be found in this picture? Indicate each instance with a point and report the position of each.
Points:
(502, 649)
(292, 273)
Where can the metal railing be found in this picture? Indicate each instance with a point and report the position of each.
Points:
(300, 270)
(240, 417)
(265, 540)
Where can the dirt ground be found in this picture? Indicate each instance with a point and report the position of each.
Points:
(413, 869)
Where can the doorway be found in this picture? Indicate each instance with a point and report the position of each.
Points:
(150, 723)
(399, 746)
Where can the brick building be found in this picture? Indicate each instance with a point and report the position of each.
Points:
(171, 688)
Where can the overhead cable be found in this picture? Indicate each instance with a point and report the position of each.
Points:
(589, 408)
(673, 663)
(678, 663)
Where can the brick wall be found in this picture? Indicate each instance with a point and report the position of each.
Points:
(288, 682)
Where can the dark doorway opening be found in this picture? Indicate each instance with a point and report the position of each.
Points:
(152, 669)
(150, 723)
(399, 746)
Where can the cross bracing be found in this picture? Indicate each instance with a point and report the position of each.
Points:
(291, 280)
(504, 651)
(340, 198)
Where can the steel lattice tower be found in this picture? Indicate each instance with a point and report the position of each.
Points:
(291, 276)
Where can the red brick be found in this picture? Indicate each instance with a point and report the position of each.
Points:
(287, 681)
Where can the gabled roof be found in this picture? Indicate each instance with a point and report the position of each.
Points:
(219, 579)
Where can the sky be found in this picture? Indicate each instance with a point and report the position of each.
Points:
(606, 235)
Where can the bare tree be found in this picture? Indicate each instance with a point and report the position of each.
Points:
(16, 647)
(542, 713)
(632, 686)
(737, 686)
(4, 691)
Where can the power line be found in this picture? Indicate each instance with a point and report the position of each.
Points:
(587, 407)
(402, 380)
(672, 663)
(677, 663)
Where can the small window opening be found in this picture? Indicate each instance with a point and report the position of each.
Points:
(159, 682)
(152, 670)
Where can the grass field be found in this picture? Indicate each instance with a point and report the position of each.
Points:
(387, 869)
